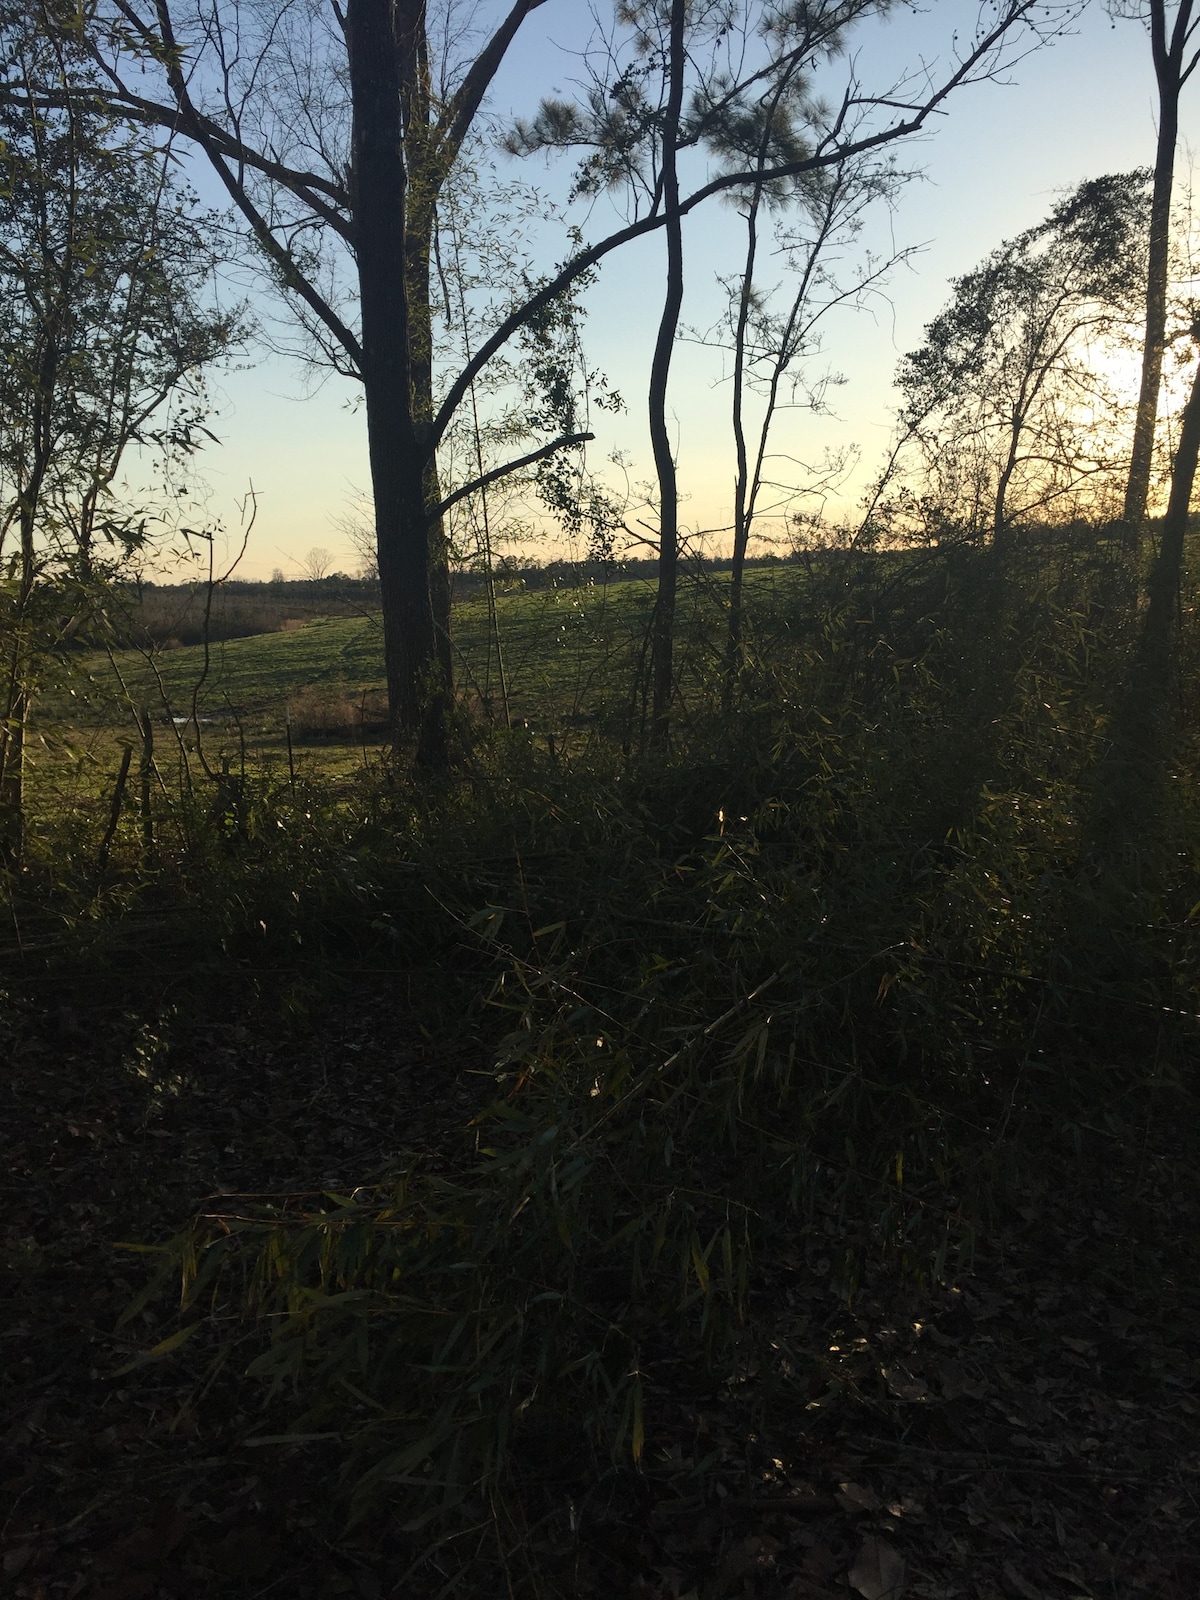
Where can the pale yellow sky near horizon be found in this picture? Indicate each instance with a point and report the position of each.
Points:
(1079, 108)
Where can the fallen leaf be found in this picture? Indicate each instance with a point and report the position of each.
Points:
(906, 1506)
(170, 1526)
(903, 1386)
(878, 1571)
(956, 1383)
(15, 1561)
(246, 1549)
(1071, 1576)
(131, 1585)
(855, 1497)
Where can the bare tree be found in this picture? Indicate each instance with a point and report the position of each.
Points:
(773, 346)
(735, 86)
(317, 564)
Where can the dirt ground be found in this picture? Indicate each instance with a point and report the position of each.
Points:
(1031, 1431)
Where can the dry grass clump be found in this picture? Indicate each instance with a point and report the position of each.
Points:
(330, 711)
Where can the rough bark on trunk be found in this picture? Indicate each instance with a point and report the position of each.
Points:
(1001, 531)
(12, 774)
(15, 710)
(1129, 790)
(397, 456)
(18, 690)
(662, 635)
(741, 508)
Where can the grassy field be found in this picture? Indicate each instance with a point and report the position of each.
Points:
(565, 664)
(310, 700)
(256, 678)
(563, 653)
(568, 664)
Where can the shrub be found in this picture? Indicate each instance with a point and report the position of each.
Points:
(321, 711)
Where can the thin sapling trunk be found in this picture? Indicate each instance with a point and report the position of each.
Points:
(662, 638)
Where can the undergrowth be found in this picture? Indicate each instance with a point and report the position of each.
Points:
(845, 972)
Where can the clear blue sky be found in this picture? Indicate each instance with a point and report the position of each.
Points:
(991, 167)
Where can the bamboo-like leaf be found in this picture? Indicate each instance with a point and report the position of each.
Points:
(699, 1264)
(164, 1347)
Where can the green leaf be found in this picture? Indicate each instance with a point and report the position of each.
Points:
(164, 1347)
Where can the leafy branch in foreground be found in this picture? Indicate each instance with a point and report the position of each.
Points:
(109, 322)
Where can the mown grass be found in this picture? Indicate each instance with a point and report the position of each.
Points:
(565, 653)
(569, 664)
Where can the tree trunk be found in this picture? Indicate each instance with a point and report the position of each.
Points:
(12, 771)
(396, 449)
(421, 223)
(1158, 628)
(1129, 790)
(1168, 68)
(1001, 530)
(662, 636)
(15, 710)
(741, 507)
(426, 172)
(18, 690)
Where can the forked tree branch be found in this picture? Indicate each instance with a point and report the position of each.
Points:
(509, 467)
(190, 121)
(168, 54)
(460, 113)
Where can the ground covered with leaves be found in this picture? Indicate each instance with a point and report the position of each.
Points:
(1028, 1428)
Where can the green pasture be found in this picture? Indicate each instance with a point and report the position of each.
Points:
(558, 655)
(551, 642)
(311, 699)
(568, 664)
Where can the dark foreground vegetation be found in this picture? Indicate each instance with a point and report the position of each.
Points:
(766, 1167)
(676, 1088)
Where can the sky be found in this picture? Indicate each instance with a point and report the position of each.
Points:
(991, 166)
